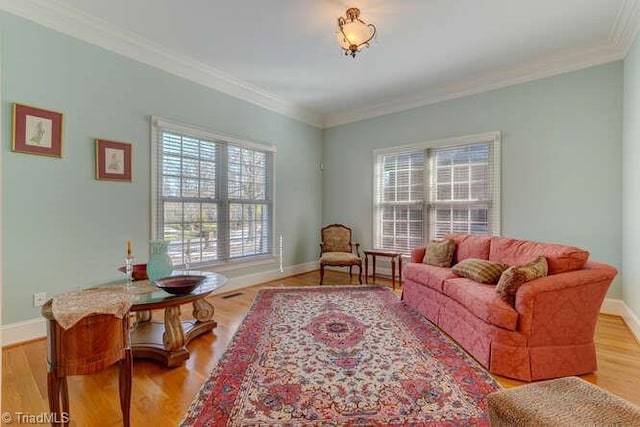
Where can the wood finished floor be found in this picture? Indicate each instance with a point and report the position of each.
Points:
(161, 396)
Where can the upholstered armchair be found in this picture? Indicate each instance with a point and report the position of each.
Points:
(337, 249)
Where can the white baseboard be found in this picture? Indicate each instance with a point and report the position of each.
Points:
(246, 281)
(28, 330)
(383, 272)
(617, 307)
(633, 322)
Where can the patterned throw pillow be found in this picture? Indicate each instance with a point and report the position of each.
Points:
(480, 270)
(439, 253)
(514, 277)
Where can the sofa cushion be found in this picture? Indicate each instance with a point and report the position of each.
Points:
(470, 246)
(516, 276)
(439, 253)
(560, 258)
(483, 301)
(480, 270)
(427, 275)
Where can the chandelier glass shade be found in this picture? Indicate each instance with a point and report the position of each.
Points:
(353, 33)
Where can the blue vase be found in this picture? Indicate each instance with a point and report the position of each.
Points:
(159, 264)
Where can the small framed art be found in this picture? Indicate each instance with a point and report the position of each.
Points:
(113, 160)
(36, 131)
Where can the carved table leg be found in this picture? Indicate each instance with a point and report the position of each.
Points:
(143, 316)
(202, 310)
(173, 337)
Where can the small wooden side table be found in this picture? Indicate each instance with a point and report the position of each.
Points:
(384, 254)
(94, 343)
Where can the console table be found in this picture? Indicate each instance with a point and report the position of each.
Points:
(385, 254)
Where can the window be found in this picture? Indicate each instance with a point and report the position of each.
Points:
(425, 191)
(213, 195)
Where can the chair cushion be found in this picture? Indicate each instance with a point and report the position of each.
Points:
(439, 253)
(339, 258)
(516, 276)
(480, 270)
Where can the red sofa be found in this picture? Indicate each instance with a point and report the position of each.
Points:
(549, 332)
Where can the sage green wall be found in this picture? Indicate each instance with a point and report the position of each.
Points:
(62, 229)
(561, 158)
(631, 180)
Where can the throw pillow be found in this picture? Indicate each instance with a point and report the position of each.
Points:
(516, 276)
(480, 270)
(439, 253)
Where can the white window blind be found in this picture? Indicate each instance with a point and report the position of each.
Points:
(425, 191)
(464, 192)
(213, 195)
(399, 200)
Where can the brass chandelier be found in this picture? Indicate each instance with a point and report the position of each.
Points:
(353, 33)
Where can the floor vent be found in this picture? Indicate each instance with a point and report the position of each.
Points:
(232, 295)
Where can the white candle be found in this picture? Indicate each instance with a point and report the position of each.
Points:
(281, 268)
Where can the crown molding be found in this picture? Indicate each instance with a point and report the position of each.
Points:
(62, 18)
(557, 63)
(626, 26)
(621, 36)
(70, 21)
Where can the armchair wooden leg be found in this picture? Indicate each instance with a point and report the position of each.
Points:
(350, 275)
(321, 273)
(126, 367)
(360, 272)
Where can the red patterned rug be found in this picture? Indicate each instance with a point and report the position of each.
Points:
(341, 355)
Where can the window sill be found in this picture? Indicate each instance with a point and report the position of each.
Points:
(236, 265)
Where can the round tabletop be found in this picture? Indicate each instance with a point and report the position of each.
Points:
(146, 296)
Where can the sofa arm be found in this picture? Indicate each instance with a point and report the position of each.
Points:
(417, 254)
(563, 308)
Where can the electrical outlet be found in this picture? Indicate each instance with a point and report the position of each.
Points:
(39, 298)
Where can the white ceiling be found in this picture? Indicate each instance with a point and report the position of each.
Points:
(282, 54)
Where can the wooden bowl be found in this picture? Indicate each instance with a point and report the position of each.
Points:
(139, 271)
(179, 285)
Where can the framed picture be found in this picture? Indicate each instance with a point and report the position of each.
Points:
(113, 160)
(36, 131)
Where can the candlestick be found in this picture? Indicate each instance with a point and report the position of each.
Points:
(187, 256)
(281, 249)
(128, 269)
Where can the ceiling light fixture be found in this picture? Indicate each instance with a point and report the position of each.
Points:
(353, 33)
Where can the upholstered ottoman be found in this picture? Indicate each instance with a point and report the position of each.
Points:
(566, 401)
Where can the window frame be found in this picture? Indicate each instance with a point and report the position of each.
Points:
(493, 138)
(157, 125)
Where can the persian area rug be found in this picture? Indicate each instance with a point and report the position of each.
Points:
(344, 355)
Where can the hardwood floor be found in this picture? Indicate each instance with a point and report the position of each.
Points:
(161, 396)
